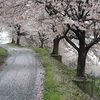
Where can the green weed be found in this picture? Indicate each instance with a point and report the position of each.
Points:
(58, 83)
(3, 54)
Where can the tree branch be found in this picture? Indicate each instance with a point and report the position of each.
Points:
(61, 37)
(71, 43)
(76, 31)
(94, 41)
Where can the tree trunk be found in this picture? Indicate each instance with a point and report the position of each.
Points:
(55, 46)
(42, 44)
(18, 40)
(13, 41)
(82, 53)
(87, 1)
(81, 63)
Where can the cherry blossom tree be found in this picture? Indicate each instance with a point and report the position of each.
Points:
(12, 13)
(81, 19)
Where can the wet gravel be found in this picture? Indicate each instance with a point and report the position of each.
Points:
(22, 76)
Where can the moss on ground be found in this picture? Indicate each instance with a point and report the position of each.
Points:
(58, 83)
(3, 55)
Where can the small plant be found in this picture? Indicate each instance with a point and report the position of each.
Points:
(3, 54)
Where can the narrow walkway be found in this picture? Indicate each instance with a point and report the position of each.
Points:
(22, 76)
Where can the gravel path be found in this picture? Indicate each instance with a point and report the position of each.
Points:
(22, 76)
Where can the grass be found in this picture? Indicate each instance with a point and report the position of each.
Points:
(97, 86)
(91, 86)
(3, 54)
(58, 83)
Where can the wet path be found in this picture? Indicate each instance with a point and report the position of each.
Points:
(21, 78)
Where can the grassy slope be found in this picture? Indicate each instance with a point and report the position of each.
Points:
(58, 83)
(3, 54)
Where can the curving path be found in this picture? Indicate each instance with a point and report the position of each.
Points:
(22, 75)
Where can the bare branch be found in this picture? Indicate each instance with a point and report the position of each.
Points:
(94, 41)
(71, 43)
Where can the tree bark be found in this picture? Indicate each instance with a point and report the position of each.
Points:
(82, 53)
(87, 1)
(56, 42)
(42, 44)
(55, 46)
(18, 40)
(13, 41)
(81, 64)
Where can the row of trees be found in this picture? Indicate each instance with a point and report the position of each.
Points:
(80, 20)
(12, 14)
(16, 14)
